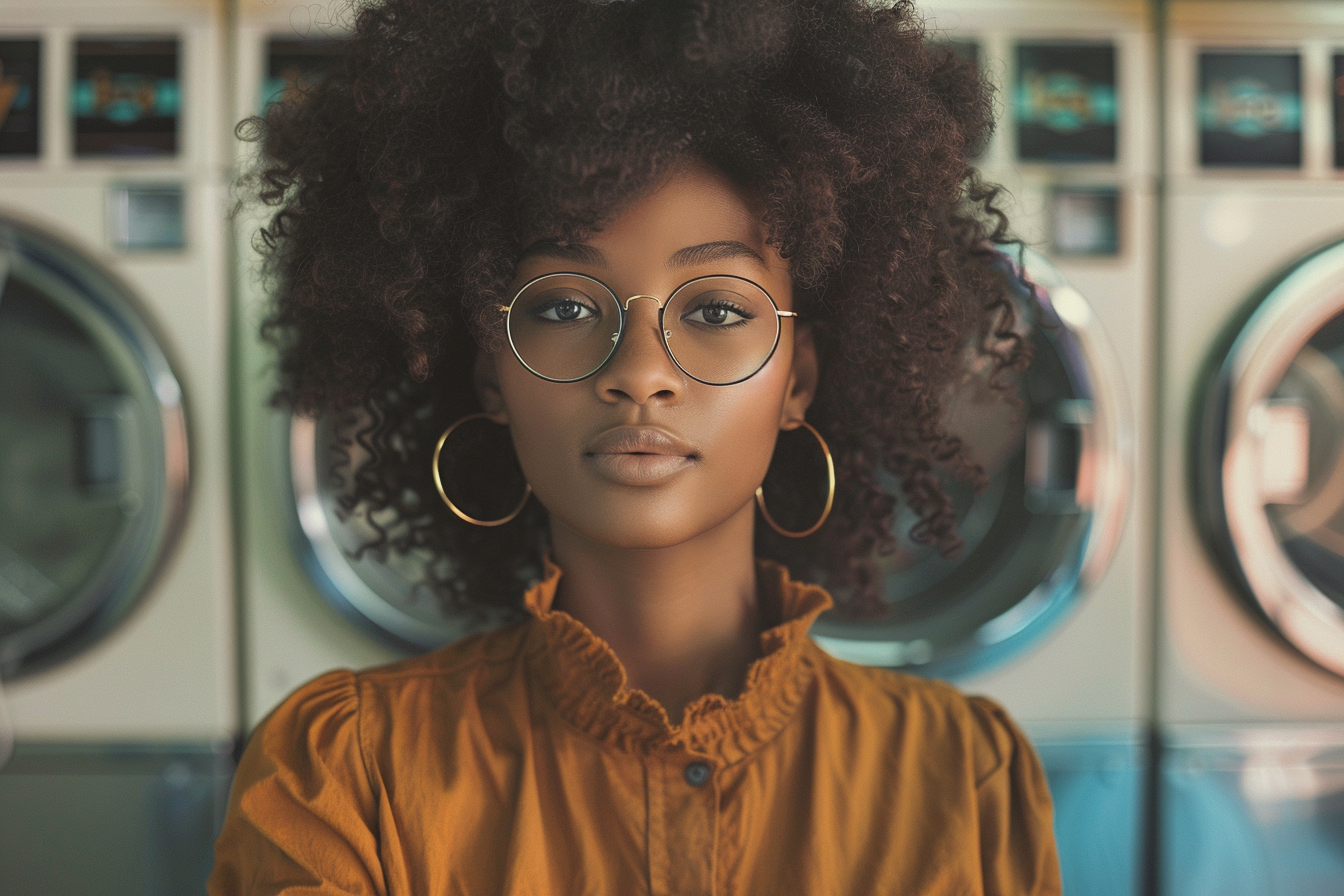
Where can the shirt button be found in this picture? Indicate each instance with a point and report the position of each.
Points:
(697, 773)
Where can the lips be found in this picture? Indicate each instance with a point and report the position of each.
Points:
(639, 440)
(639, 455)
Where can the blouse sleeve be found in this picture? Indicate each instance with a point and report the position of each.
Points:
(1017, 840)
(302, 815)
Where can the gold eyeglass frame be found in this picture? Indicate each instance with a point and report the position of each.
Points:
(624, 308)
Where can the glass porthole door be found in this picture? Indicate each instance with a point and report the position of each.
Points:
(93, 451)
(1035, 539)
(1268, 461)
(1045, 528)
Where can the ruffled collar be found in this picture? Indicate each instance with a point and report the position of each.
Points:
(586, 682)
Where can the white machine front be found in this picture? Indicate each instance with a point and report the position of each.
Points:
(296, 620)
(117, 645)
(1251, 641)
(1103, 249)
(1076, 149)
(1044, 610)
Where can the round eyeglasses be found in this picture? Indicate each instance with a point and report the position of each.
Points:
(719, 330)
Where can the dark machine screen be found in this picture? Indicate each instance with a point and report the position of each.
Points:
(296, 64)
(20, 100)
(1250, 110)
(1066, 102)
(126, 97)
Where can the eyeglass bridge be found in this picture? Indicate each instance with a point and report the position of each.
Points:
(656, 300)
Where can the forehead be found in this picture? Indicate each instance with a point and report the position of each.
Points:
(696, 218)
(697, 204)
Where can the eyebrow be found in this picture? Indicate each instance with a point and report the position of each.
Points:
(715, 251)
(690, 256)
(566, 251)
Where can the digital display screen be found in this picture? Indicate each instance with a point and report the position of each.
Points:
(1250, 109)
(296, 64)
(1066, 102)
(147, 217)
(126, 97)
(1085, 221)
(20, 98)
(1337, 102)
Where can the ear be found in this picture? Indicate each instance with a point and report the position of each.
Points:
(485, 377)
(802, 379)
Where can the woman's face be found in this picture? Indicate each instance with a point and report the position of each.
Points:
(640, 455)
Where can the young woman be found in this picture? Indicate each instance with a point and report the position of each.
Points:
(698, 274)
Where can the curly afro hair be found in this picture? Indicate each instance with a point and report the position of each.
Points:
(403, 180)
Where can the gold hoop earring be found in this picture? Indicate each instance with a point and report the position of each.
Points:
(830, 492)
(438, 480)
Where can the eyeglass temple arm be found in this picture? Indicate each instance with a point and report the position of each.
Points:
(786, 313)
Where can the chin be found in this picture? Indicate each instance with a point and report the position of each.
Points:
(645, 523)
(638, 531)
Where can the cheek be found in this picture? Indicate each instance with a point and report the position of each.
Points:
(745, 428)
(537, 421)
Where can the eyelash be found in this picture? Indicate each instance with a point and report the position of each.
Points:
(728, 306)
(554, 303)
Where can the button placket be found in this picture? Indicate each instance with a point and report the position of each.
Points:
(683, 837)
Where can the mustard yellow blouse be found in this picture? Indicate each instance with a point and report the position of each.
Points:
(518, 762)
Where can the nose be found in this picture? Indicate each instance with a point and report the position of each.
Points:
(641, 370)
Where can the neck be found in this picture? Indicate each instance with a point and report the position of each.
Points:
(683, 620)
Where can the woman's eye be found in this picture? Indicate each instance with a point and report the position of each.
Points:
(715, 314)
(565, 311)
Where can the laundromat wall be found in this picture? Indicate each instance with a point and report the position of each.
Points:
(1153, 581)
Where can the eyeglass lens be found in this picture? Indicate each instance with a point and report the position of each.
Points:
(719, 330)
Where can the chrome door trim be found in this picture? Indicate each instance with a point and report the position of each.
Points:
(1280, 328)
(1103, 416)
(325, 560)
(1113, 442)
(126, 574)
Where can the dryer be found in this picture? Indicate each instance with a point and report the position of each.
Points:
(1046, 610)
(300, 591)
(1060, 635)
(1250, 652)
(116, 571)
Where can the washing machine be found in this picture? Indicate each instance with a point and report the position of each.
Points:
(308, 605)
(1250, 657)
(1045, 609)
(1049, 609)
(117, 634)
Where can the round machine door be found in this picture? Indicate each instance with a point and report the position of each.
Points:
(1268, 460)
(383, 592)
(1059, 467)
(93, 451)
(1043, 530)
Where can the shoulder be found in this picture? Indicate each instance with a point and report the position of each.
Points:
(920, 713)
(953, 770)
(454, 665)
(374, 698)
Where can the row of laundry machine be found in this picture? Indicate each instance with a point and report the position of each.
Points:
(1153, 581)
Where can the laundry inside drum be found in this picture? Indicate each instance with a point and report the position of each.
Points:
(1302, 460)
(80, 458)
(1023, 534)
